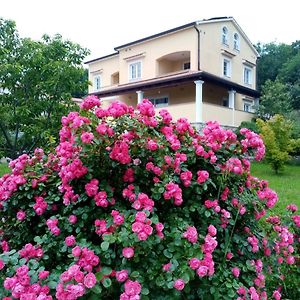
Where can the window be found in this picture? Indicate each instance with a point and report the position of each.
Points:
(160, 102)
(97, 82)
(236, 42)
(247, 106)
(247, 76)
(225, 35)
(186, 66)
(226, 67)
(135, 71)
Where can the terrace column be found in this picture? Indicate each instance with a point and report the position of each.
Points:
(140, 95)
(231, 104)
(199, 108)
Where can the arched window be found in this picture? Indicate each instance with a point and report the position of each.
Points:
(225, 35)
(236, 42)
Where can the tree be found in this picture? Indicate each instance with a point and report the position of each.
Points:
(290, 74)
(37, 80)
(275, 99)
(276, 134)
(272, 57)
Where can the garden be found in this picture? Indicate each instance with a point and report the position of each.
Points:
(130, 205)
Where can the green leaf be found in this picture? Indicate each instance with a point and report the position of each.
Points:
(106, 282)
(97, 289)
(106, 270)
(104, 246)
(145, 291)
(52, 284)
(167, 253)
(207, 213)
(135, 274)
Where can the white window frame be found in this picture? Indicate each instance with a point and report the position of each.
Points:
(229, 70)
(138, 75)
(249, 104)
(152, 99)
(224, 36)
(97, 82)
(248, 80)
(236, 41)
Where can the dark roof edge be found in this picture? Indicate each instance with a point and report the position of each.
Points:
(181, 79)
(156, 35)
(229, 84)
(102, 57)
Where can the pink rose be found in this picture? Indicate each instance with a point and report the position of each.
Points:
(72, 219)
(21, 215)
(167, 267)
(140, 216)
(79, 276)
(2, 264)
(132, 288)
(202, 271)
(137, 227)
(87, 137)
(70, 240)
(212, 230)
(43, 274)
(290, 260)
(76, 251)
(179, 284)
(128, 252)
(236, 272)
(194, 263)
(191, 234)
(122, 275)
(89, 280)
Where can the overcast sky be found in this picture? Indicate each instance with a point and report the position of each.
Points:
(101, 25)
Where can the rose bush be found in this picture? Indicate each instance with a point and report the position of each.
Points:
(135, 206)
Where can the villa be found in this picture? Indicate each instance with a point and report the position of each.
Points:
(204, 70)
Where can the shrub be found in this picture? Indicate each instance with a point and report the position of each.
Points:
(136, 206)
(276, 134)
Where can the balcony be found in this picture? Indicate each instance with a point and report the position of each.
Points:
(173, 62)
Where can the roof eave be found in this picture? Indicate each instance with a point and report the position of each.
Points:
(177, 80)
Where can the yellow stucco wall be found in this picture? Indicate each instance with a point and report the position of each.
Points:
(211, 57)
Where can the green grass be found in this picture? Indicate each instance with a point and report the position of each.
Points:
(286, 184)
(3, 169)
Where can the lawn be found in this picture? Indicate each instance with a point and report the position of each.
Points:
(3, 169)
(286, 184)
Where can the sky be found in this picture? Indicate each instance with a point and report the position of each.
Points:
(101, 25)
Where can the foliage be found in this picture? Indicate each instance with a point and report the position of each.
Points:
(290, 74)
(137, 206)
(276, 134)
(272, 58)
(37, 80)
(275, 99)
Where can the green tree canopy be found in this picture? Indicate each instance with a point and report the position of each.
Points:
(37, 82)
(272, 57)
(275, 99)
(290, 74)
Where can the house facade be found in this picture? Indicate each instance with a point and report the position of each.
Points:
(204, 70)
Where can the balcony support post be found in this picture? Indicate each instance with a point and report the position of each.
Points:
(231, 104)
(140, 95)
(199, 101)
